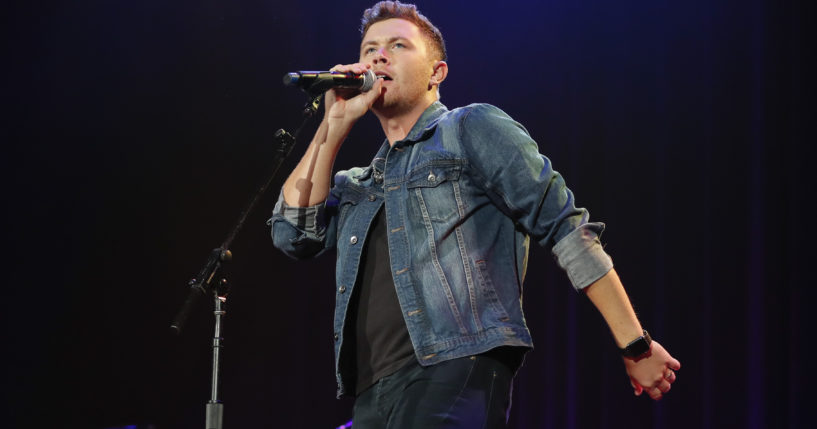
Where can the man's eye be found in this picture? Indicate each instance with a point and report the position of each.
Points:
(399, 45)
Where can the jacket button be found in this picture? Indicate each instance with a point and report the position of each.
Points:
(353, 240)
(431, 177)
(336, 336)
(342, 289)
(372, 197)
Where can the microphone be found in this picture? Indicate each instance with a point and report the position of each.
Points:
(316, 82)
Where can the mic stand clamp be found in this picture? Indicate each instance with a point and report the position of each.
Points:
(311, 107)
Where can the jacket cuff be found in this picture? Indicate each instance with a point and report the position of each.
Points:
(582, 256)
(307, 219)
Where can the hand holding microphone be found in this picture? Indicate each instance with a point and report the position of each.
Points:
(351, 90)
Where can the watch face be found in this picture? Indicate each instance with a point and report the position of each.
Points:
(639, 347)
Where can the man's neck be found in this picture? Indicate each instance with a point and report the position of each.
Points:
(396, 127)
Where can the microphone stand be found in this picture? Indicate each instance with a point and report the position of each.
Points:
(203, 283)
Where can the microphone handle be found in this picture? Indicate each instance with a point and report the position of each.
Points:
(316, 82)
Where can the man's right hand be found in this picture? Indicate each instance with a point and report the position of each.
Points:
(344, 107)
(310, 180)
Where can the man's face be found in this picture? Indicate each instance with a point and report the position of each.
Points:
(397, 50)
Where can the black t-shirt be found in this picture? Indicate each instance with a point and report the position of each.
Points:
(375, 323)
(382, 342)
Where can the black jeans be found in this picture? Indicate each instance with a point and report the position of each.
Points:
(471, 392)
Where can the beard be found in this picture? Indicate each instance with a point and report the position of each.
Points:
(398, 100)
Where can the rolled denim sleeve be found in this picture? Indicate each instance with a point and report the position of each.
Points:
(523, 183)
(582, 256)
(300, 232)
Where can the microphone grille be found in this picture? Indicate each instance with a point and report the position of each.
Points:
(368, 80)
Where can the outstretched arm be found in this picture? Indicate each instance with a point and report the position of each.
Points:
(652, 372)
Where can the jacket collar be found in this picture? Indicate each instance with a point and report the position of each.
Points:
(425, 125)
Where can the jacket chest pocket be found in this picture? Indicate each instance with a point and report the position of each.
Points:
(434, 192)
(347, 206)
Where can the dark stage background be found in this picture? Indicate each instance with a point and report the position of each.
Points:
(135, 132)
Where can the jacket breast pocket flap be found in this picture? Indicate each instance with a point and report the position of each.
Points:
(433, 175)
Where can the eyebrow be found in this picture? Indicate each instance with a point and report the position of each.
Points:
(390, 40)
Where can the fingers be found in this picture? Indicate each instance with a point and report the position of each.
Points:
(637, 389)
(663, 386)
(356, 68)
(674, 364)
(658, 388)
(346, 94)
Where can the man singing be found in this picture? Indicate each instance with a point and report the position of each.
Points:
(432, 242)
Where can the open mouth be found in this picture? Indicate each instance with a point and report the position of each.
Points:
(383, 76)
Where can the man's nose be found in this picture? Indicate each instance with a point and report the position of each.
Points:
(380, 56)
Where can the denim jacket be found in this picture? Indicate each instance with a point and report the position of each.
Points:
(464, 193)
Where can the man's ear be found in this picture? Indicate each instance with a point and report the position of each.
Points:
(439, 73)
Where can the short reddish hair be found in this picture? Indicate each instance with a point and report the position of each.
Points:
(394, 9)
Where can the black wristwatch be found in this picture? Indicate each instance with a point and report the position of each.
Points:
(638, 346)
